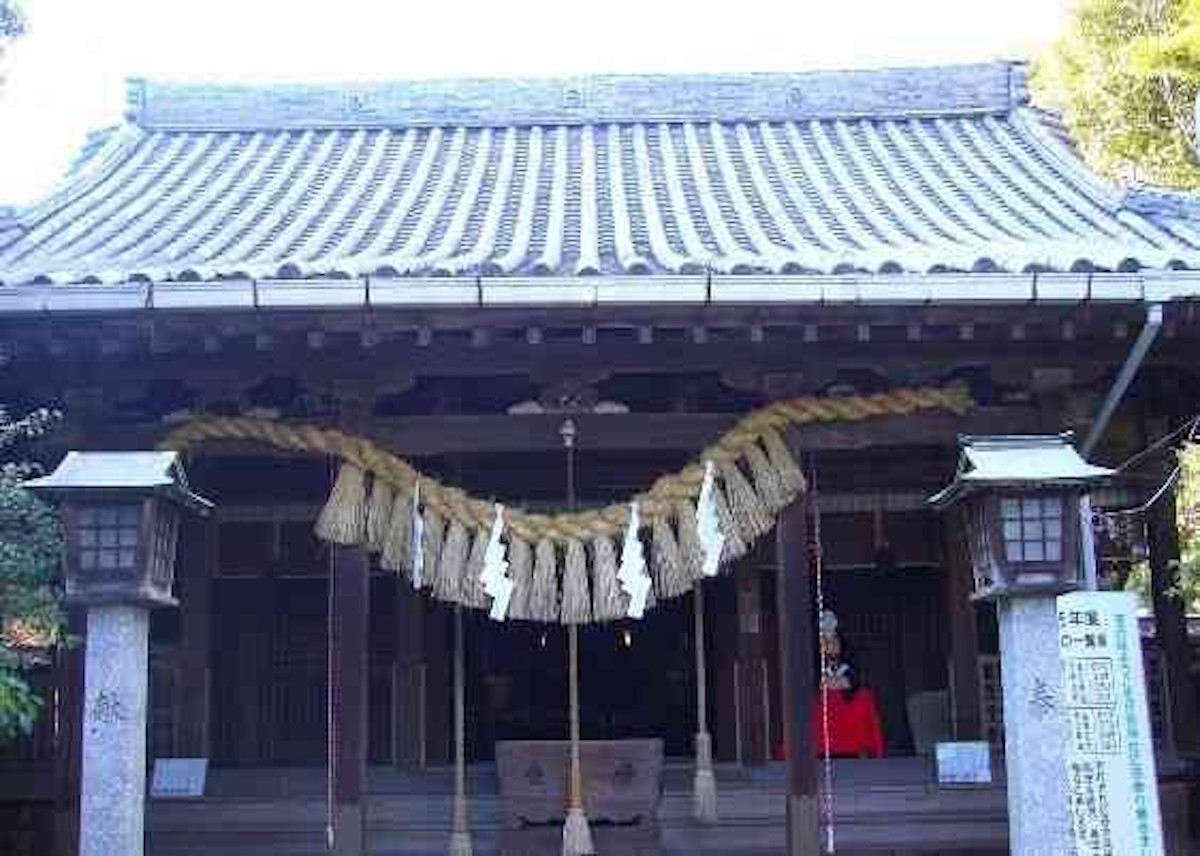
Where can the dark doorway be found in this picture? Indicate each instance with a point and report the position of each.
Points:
(636, 680)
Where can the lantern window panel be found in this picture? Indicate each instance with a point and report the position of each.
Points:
(1032, 528)
(108, 537)
(162, 556)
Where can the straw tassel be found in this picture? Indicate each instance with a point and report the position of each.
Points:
(379, 514)
(691, 555)
(768, 483)
(704, 794)
(608, 603)
(577, 836)
(344, 517)
(431, 546)
(470, 588)
(576, 600)
(783, 462)
(543, 597)
(670, 576)
(451, 563)
(651, 599)
(460, 839)
(704, 785)
(460, 843)
(752, 517)
(520, 568)
(399, 534)
(735, 545)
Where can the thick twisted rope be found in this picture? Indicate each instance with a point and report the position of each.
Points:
(661, 500)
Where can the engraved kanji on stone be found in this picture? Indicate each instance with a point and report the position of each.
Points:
(1042, 699)
(108, 708)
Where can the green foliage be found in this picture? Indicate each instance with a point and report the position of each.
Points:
(1187, 520)
(31, 618)
(1187, 514)
(1125, 76)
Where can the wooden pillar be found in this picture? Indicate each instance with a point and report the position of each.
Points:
(68, 740)
(408, 681)
(797, 623)
(349, 582)
(721, 602)
(198, 561)
(966, 717)
(752, 687)
(1170, 621)
(438, 641)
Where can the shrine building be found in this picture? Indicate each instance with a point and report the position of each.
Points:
(360, 310)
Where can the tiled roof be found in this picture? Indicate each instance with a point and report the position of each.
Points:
(907, 170)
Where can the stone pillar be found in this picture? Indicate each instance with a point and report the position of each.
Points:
(797, 632)
(1039, 822)
(114, 731)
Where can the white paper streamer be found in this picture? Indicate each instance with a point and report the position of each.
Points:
(494, 576)
(632, 575)
(708, 528)
(417, 550)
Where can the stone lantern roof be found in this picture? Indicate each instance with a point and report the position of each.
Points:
(158, 473)
(1017, 461)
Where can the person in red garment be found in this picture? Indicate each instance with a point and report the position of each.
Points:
(846, 711)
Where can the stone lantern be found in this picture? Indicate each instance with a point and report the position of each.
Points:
(1020, 500)
(121, 515)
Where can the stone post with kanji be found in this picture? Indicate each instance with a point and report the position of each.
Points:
(121, 513)
(1019, 500)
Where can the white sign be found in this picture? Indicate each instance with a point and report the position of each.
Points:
(1111, 784)
(179, 777)
(967, 762)
(496, 583)
(632, 575)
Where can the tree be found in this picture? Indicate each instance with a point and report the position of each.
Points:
(1125, 76)
(1187, 515)
(31, 617)
(1186, 586)
(12, 27)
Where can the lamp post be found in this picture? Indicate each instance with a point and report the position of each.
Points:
(121, 514)
(1019, 499)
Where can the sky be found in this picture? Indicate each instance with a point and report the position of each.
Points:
(66, 76)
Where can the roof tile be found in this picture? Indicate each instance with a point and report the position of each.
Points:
(908, 170)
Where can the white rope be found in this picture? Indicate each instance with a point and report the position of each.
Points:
(826, 759)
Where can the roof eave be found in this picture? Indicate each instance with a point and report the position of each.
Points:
(982, 289)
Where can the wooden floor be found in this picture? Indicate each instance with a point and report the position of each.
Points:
(881, 807)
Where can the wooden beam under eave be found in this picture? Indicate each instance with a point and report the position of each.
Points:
(228, 375)
(435, 435)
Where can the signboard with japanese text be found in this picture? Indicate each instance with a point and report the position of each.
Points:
(966, 762)
(179, 777)
(1111, 784)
